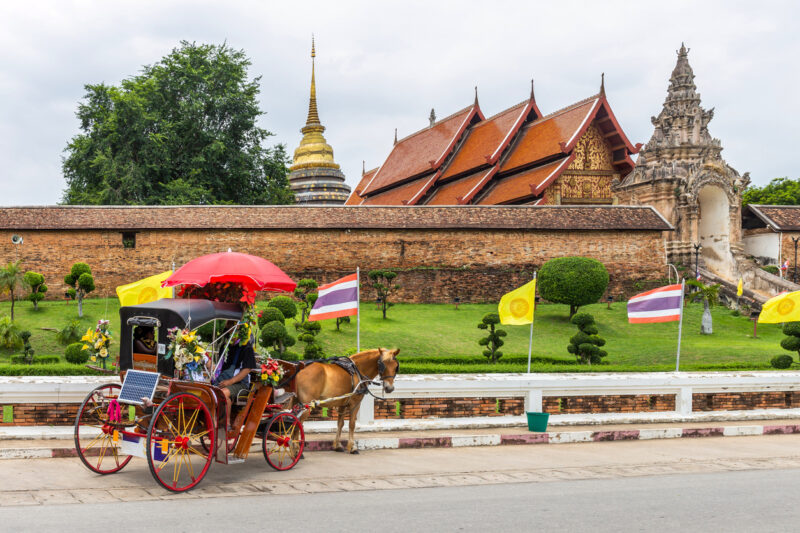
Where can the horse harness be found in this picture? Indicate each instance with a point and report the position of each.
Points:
(363, 383)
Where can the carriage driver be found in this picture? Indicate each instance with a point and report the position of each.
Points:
(235, 374)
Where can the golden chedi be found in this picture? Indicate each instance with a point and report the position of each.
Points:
(314, 177)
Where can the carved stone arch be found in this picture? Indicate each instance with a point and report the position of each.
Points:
(713, 177)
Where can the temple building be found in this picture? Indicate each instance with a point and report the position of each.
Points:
(314, 177)
(680, 172)
(518, 156)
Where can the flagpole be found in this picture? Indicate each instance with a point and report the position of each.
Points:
(530, 341)
(358, 309)
(680, 326)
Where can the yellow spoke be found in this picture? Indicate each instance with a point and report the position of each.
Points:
(176, 471)
(195, 436)
(93, 441)
(189, 466)
(166, 459)
(190, 424)
(102, 453)
(115, 451)
(174, 430)
(181, 417)
(192, 450)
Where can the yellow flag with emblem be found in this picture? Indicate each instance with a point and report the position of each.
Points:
(740, 287)
(781, 308)
(516, 307)
(145, 290)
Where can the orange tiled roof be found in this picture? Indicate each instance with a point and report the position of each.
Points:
(525, 184)
(355, 198)
(485, 139)
(540, 139)
(422, 151)
(396, 195)
(450, 193)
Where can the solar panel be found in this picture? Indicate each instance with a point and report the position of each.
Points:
(138, 384)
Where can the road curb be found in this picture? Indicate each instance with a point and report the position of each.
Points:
(552, 437)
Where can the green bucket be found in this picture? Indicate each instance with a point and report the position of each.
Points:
(537, 421)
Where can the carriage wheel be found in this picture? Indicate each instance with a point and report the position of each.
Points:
(284, 441)
(94, 435)
(175, 452)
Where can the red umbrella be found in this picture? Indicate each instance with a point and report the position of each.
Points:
(254, 273)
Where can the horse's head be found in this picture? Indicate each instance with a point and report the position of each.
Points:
(388, 368)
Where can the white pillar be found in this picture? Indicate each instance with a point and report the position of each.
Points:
(533, 401)
(366, 414)
(683, 401)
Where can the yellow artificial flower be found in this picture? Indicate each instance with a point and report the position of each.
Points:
(93, 358)
(199, 349)
(88, 336)
(103, 352)
(85, 347)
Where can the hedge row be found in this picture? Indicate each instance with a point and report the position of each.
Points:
(37, 359)
(60, 369)
(432, 368)
(481, 360)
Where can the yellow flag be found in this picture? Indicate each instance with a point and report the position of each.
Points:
(516, 307)
(739, 288)
(145, 290)
(781, 308)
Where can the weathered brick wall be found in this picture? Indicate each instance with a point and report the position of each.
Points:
(63, 414)
(435, 265)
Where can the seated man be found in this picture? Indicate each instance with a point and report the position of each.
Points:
(235, 374)
(144, 340)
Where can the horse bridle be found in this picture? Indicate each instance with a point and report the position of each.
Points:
(382, 369)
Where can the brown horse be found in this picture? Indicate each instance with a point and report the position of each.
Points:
(323, 381)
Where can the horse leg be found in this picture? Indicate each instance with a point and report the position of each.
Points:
(337, 442)
(351, 443)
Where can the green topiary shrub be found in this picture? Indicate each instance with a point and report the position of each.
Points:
(71, 332)
(585, 345)
(303, 292)
(574, 281)
(308, 334)
(35, 281)
(286, 306)
(381, 281)
(772, 269)
(781, 361)
(75, 354)
(27, 350)
(792, 340)
(37, 360)
(270, 314)
(493, 340)
(81, 283)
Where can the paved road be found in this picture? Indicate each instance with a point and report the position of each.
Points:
(727, 501)
(682, 481)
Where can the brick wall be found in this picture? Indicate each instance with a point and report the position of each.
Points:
(435, 265)
(63, 414)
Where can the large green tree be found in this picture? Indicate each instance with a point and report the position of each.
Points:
(780, 191)
(183, 131)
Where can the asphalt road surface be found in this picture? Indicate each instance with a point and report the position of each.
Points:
(732, 484)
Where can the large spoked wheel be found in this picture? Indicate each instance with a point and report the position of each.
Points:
(94, 434)
(176, 455)
(284, 441)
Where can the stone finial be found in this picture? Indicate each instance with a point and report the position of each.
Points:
(603, 83)
(432, 117)
(533, 98)
(363, 167)
(395, 136)
(476, 96)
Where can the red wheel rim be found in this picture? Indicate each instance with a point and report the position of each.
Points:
(176, 455)
(94, 436)
(283, 442)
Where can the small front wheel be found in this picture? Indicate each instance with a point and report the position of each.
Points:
(284, 441)
(176, 454)
(94, 432)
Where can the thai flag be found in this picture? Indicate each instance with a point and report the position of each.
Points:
(658, 305)
(785, 265)
(336, 299)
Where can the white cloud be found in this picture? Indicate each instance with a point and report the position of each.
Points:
(382, 65)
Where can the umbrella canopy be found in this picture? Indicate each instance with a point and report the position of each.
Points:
(254, 273)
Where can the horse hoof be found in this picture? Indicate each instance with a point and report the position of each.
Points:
(339, 449)
(354, 452)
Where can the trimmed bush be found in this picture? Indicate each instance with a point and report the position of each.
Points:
(574, 281)
(270, 314)
(75, 354)
(493, 340)
(772, 269)
(585, 344)
(781, 361)
(285, 304)
(60, 369)
(791, 342)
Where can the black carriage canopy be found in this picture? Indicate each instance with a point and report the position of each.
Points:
(165, 314)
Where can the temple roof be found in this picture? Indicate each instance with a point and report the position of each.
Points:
(423, 151)
(355, 197)
(775, 217)
(481, 153)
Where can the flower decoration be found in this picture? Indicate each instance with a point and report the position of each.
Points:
(187, 350)
(271, 372)
(98, 342)
(246, 326)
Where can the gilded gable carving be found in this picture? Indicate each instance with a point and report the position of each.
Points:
(584, 187)
(592, 151)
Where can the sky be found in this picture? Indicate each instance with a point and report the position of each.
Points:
(384, 65)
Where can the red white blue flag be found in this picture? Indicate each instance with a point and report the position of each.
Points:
(658, 305)
(336, 299)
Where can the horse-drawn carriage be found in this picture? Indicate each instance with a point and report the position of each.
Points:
(179, 425)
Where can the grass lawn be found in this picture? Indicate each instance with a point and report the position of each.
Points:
(434, 330)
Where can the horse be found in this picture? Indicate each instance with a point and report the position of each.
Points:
(323, 381)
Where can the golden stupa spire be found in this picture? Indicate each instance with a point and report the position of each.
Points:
(313, 116)
(314, 151)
